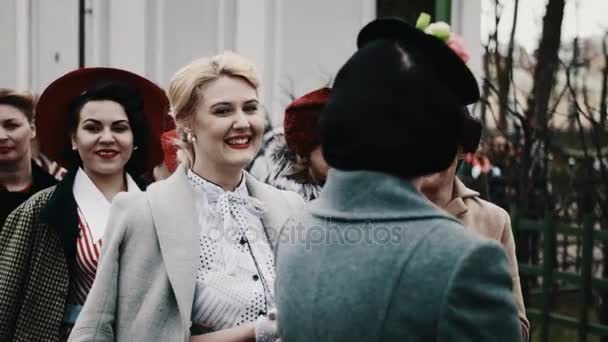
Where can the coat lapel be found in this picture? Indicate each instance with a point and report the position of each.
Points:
(277, 208)
(61, 213)
(174, 215)
(458, 207)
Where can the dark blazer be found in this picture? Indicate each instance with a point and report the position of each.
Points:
(37, 252)
(9, 200)
(372, 260)
(37, 243)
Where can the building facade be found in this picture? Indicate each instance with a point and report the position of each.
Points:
(296, 45)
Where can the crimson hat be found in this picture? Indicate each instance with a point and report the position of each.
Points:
(301, 122)
(53, 105)
(167, 141)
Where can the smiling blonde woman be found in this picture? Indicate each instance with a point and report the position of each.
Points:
(193, 255)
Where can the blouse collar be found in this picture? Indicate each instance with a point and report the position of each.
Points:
(92, 204)
(201, 184)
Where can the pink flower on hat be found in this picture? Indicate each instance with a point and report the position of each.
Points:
(458, 45)
(443, 31)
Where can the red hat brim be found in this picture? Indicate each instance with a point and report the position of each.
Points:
(52, 110)
(301, 121)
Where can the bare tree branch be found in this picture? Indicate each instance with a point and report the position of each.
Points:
(604, 91)
(509, 110)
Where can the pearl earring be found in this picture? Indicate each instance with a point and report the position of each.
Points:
(73, 147)
(191, 138)
(135, 148)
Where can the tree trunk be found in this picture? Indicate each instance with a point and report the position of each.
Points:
(504, 68)
(604, 92)
(547, 63)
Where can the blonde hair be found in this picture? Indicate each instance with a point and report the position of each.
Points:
(185, 95)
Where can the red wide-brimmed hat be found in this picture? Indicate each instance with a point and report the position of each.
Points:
(301, 123)
(53, 104)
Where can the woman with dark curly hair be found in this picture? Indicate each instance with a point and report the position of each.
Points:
(103, 126)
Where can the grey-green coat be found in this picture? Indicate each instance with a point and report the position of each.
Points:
(372, 260)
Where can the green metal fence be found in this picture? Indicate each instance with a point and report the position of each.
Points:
(584, 282)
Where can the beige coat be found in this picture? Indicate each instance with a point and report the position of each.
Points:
(492, 222)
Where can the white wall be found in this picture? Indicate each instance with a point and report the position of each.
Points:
(188, 31)
(466, 20)
(54, 49)
(310, 40)
(297, 45)
(8, 37)
(127, 35)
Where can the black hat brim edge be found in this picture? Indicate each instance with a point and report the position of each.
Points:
(451, 68)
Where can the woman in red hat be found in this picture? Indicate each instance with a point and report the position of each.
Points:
(20, 176)
(293, 159)
(192, 258)
(103, 126)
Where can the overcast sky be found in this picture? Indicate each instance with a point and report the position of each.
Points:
(592, 20)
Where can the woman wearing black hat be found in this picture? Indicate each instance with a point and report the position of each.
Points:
(378, 262)
(96, 123)
(20, 176)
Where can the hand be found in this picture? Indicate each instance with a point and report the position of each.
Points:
(266, 327)
(241, 333)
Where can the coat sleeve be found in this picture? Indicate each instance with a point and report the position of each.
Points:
(97, 319)
(478, 302)
(508, 243)
(16, 244)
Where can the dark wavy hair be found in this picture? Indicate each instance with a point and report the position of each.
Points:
(132, 102)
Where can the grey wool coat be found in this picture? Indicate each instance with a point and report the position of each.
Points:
(144, 287)
(372, 260)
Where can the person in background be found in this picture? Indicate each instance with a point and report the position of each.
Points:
(20, 176)
(103, 125)
(293, 159)
(448, 192)
(192, 258)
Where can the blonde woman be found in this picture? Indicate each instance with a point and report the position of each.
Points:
(193, 255)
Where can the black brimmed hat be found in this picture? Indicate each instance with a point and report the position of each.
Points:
(449, 65)
(396, 105)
